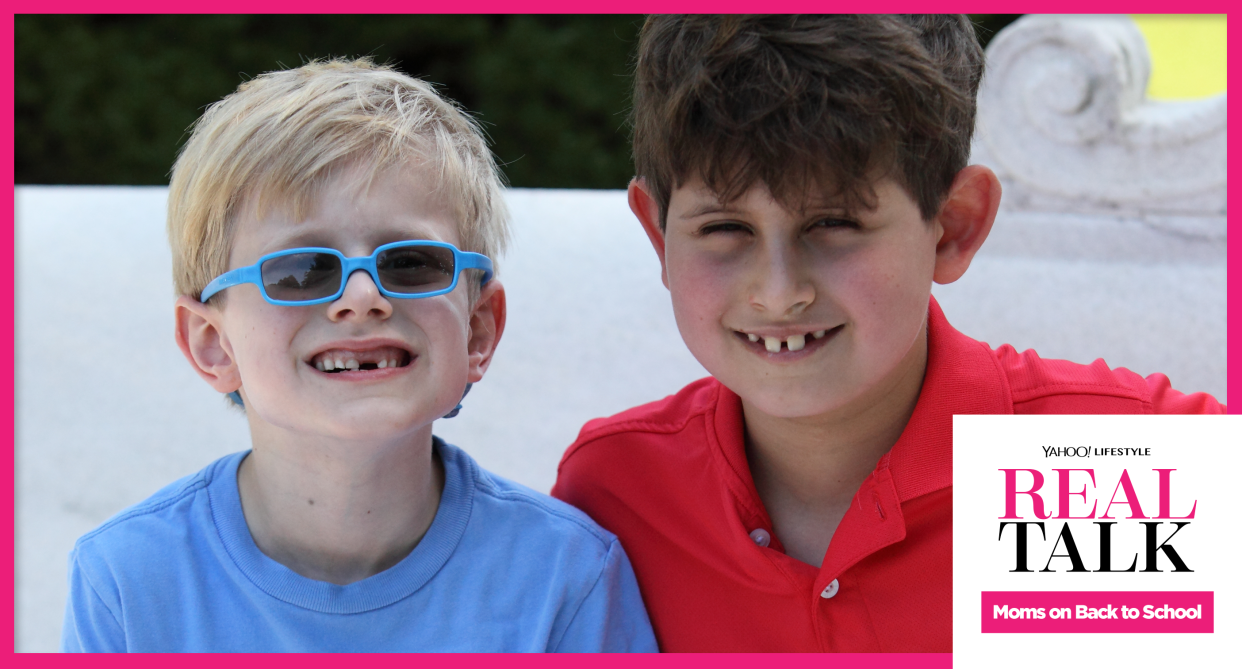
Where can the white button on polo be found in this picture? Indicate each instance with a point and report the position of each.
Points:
(761, 538)
(831, 591)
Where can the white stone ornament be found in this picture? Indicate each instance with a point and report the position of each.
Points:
(1064, 121)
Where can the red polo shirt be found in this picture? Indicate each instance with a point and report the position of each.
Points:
(671, 479)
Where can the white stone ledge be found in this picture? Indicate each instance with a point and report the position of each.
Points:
(1110, 243)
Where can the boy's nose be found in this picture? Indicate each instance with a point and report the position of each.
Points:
(360, 299)
(780, 286)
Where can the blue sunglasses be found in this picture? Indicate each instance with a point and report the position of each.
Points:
(304, 276)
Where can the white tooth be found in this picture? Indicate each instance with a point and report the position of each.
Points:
(319, 366)
(818, 334)
(796, 342)
(382, 364)
(327, 365)
(773, 344)
(351, 364)
(339, 364)
(392, 363)
(753, 337)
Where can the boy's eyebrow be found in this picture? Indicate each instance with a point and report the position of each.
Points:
(824, 205)
(299, 239)
(322, 238)
(711, 208)
(806, 207)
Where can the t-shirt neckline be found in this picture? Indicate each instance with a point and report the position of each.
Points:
(387, 587)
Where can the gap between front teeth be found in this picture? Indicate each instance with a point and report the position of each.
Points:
(794, 342)
(350, 364)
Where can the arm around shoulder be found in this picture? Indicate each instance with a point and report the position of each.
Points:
(612, 618)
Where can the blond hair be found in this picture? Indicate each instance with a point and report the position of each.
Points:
(282, 135)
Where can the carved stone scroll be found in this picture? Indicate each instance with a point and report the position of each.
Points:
(1064, 122)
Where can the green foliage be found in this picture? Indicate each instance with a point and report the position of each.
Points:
(107, 99)
(987, 25)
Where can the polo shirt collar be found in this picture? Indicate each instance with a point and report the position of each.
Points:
(962, 377)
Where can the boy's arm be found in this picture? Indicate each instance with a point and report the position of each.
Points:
(612, 618)
(90, 625)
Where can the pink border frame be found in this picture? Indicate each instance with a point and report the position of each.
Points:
(7, 291)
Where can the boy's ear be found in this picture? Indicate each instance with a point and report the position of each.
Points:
(204, 344)
(648, 212)
(487, 323)
(965, 218)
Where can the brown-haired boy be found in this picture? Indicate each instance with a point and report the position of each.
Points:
(804, 181)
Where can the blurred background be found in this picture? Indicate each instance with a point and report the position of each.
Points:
(107, 99)
(107, 411)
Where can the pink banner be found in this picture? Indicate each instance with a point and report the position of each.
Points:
(1097, 612)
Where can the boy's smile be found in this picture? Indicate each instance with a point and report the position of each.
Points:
(363, 366)
(362, 360)
(802, 313)
(781, 347)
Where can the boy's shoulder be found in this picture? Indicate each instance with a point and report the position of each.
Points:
(664, 421)
(664, 416)
(1048, 386)
(165, 516)
(653, 446)
(133, 561)
(966, 376)
(1036, 383)
(507, 507)
(523, 546)
(1027, 383)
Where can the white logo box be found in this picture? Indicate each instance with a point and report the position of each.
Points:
(1143, 617)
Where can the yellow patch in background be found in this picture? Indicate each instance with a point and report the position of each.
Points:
(1187, 54)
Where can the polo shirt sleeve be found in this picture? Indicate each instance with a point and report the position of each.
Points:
(612, 618)
(1164, 399)
(91, 626)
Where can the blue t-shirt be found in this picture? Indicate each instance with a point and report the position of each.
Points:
(502, 568)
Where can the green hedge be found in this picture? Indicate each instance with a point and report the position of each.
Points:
(107, 99)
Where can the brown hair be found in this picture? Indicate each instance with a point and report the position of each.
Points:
(796, 101)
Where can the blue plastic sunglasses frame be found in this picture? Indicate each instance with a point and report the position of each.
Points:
(254, 273)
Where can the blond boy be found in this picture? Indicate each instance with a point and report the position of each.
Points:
(332, 230)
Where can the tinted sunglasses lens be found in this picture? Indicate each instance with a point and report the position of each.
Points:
(415, 269)
(300, 277)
